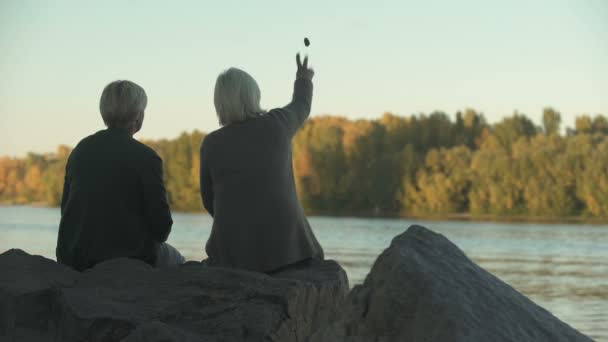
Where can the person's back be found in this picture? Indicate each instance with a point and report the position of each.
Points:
(247, 180)
(256, 208)
(114, 202)
(103, 214)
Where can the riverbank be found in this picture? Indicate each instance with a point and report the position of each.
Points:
(463, 217)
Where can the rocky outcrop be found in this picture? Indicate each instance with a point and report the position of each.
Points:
(421, 288)
(29, 287)
(127, 300)
(424, 288)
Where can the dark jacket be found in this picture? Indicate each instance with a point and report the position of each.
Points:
(114, 202)
(247, 185)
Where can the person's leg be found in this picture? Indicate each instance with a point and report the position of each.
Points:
(167, 255)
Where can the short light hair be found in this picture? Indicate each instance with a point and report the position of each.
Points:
(237, 96)
(122, 103)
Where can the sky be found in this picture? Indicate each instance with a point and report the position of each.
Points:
(369, 57)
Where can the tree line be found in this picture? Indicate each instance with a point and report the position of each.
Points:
(417, 165)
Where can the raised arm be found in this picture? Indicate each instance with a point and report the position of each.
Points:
(295, 113)
(157, 213)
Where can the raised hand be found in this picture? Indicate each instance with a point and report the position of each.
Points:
(303, 70)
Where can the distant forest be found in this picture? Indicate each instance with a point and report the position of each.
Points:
(420, 165)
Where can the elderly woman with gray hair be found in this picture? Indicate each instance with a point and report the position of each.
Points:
(247, 181)
(114, 201)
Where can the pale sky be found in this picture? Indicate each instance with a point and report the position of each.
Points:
(369, 57)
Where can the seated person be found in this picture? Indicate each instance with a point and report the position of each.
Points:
(247, 181)
(114, 201)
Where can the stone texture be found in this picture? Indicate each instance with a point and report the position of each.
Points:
(424, 288)
(28, 288)
(127, 300)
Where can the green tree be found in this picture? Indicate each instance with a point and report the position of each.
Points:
(510, 129)
(583, 124)
(470, 128)
(442, 186)
(551, 121)
(496, 186)
(322, 188)
(592, 185)
(550, 186)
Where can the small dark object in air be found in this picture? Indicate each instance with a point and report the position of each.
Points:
(306, 41)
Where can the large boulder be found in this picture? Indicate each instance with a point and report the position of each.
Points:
(127, 300)
(424, 288)
(29, 286)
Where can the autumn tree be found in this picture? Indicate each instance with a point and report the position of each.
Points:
(423, 164)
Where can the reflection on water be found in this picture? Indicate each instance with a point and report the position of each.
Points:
(562, 267)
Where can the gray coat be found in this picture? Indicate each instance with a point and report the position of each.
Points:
(247, 185)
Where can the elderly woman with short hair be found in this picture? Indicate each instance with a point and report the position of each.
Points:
(247, 181)
(114, 201)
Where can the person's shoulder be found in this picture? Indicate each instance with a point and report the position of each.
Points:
(213, 134)
(88, 146)
(211, 137)
(275, 111)
(144, 150)
(280, 113)
(88, 141)
(280, 118)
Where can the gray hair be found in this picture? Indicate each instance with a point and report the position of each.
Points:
(123, 103)
(237, 96)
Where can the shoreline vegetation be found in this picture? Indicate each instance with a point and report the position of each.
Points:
(430, 167)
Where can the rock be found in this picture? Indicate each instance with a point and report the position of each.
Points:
(127, 300)
(156, 331)
(424, 288)
(28, 289)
